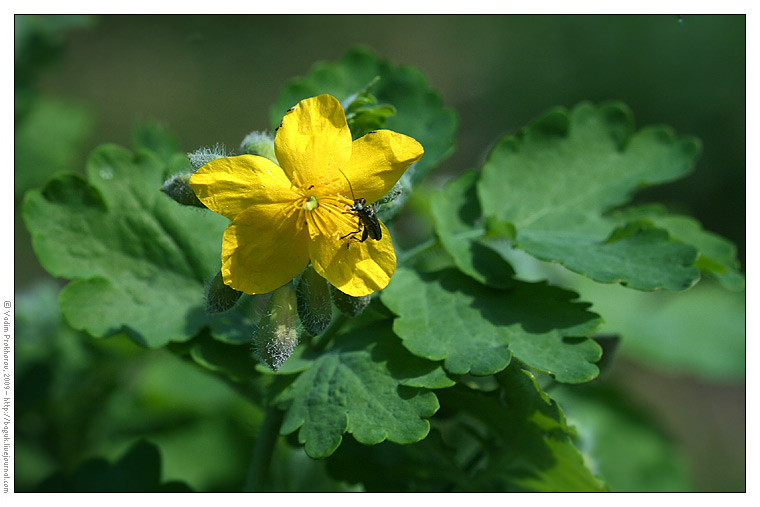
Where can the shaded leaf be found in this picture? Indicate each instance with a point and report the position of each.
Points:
(477, 329)
(138, 471)
(717, 255)
(232, 360)
(425, 466)
(526, 441)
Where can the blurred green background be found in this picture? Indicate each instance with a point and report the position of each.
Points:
(82, 81)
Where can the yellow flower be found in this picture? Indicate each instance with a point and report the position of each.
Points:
(285, 215)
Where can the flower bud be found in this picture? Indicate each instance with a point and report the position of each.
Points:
(219, 296)
(203, 156)
(388, 206)
(277, 334)
(178, 188)
(259, 143)
(350, 305)
(314, 303)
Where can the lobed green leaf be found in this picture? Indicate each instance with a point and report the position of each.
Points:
(137, 259)
(477, 329)
(361, 386)
(486, 442)
(555, 181)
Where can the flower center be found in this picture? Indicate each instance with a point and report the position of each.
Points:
(311, 203)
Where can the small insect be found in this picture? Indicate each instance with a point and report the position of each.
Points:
(368, 225)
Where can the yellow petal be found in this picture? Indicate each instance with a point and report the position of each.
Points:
(263, 249)
(314, 141)
(230, 185)
(378, 160)
(355, 268)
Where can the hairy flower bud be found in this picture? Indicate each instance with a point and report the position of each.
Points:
(203, 156)
(314, 303)
(391, 203)
(178, 188)
(350, 305)
(277, 334)
(219, 296)
(259, 143)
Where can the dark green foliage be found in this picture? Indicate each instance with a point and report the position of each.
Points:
(138, 471)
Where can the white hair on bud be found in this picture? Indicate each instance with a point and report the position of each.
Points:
(203, 156)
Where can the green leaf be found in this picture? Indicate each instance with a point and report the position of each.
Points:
(457, 218)
(358, 387)
(477, 329)
(138, 471)
(717, 255)
(528, 445)
(699, 332)
(628, 449)
(557, 178)
(232, 360)
(420, 113)
(138, 259)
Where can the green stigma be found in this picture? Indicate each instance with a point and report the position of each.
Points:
(311, 203)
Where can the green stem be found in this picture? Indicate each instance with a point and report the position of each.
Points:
(423, 247)
(258, 473)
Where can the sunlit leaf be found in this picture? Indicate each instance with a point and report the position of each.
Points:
(137, 259)
(555, 180)
(358, 387)
(477, 329)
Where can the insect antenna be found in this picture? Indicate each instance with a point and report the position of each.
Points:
(349, 184)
